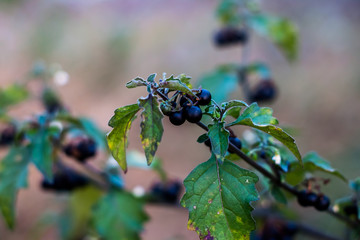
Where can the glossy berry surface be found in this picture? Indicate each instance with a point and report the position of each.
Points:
(177, 118)
(193, 114)
(230, 36)
(322, 203)
(81, 148)
(204, 97)
(7, 136)
(264, 91)
(306, 198)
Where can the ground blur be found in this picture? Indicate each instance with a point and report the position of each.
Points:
(103, 44)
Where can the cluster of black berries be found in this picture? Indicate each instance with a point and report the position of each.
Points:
(264, 91)
(230, 36)
(65, 180)
(190, 109)
(80, 148)
(277, 229)
(168, 192)
(232, 139)
(319, 201)
(7, 135)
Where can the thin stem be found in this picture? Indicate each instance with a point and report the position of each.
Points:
(258, 167)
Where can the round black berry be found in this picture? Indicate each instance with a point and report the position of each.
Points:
(177, 118)
(193, 114)
(80, 148)
(236, 142)
(165, 192)
(204, 97)
(322, 203)
(264, 91)
(306, 198)
(7, 136)
(229, 36)
(65, 180)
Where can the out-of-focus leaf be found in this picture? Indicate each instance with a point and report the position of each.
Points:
(77, 217)
(12, 95)
(119, 215)
(311, 162)
(221, 82)
(13, 176)
(262, 119)
(282, 32)
(278, 195)
(219, 138)
(41, 149)
(228, 12)
(151, 126)
(218, 198)
(117, 138)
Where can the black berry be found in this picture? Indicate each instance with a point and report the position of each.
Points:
(229, 36)
(81, 148)
(177, 118)
(322, 203)
(193, 114)
(65, 180)
(264, 91)
(166, 192)
(306, 198)
(204, 97)
(7, 136)
(236, 142)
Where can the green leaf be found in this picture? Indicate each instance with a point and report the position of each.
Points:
(355, 185)
(93, 131)
(185, 79)
(13, 176)
(233, 108)
(278, 195)
(221, 82)
(151, 78)
(77, 217)
(219, 138)
(311, 162)
(174, 84)
(136, 82)
(202, 138)
(12, 95)
(282, 32)
(117, 138)
(217, 197)
(228, 12)
(41, 149)
(119, 215)
(262, 119)
(151, 126)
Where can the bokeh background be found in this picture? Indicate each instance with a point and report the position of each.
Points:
(104, 43)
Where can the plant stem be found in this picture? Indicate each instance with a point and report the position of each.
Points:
(258, 167)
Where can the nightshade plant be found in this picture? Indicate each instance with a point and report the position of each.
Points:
(219, 194)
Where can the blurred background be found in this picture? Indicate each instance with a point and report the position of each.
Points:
(102, 44)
